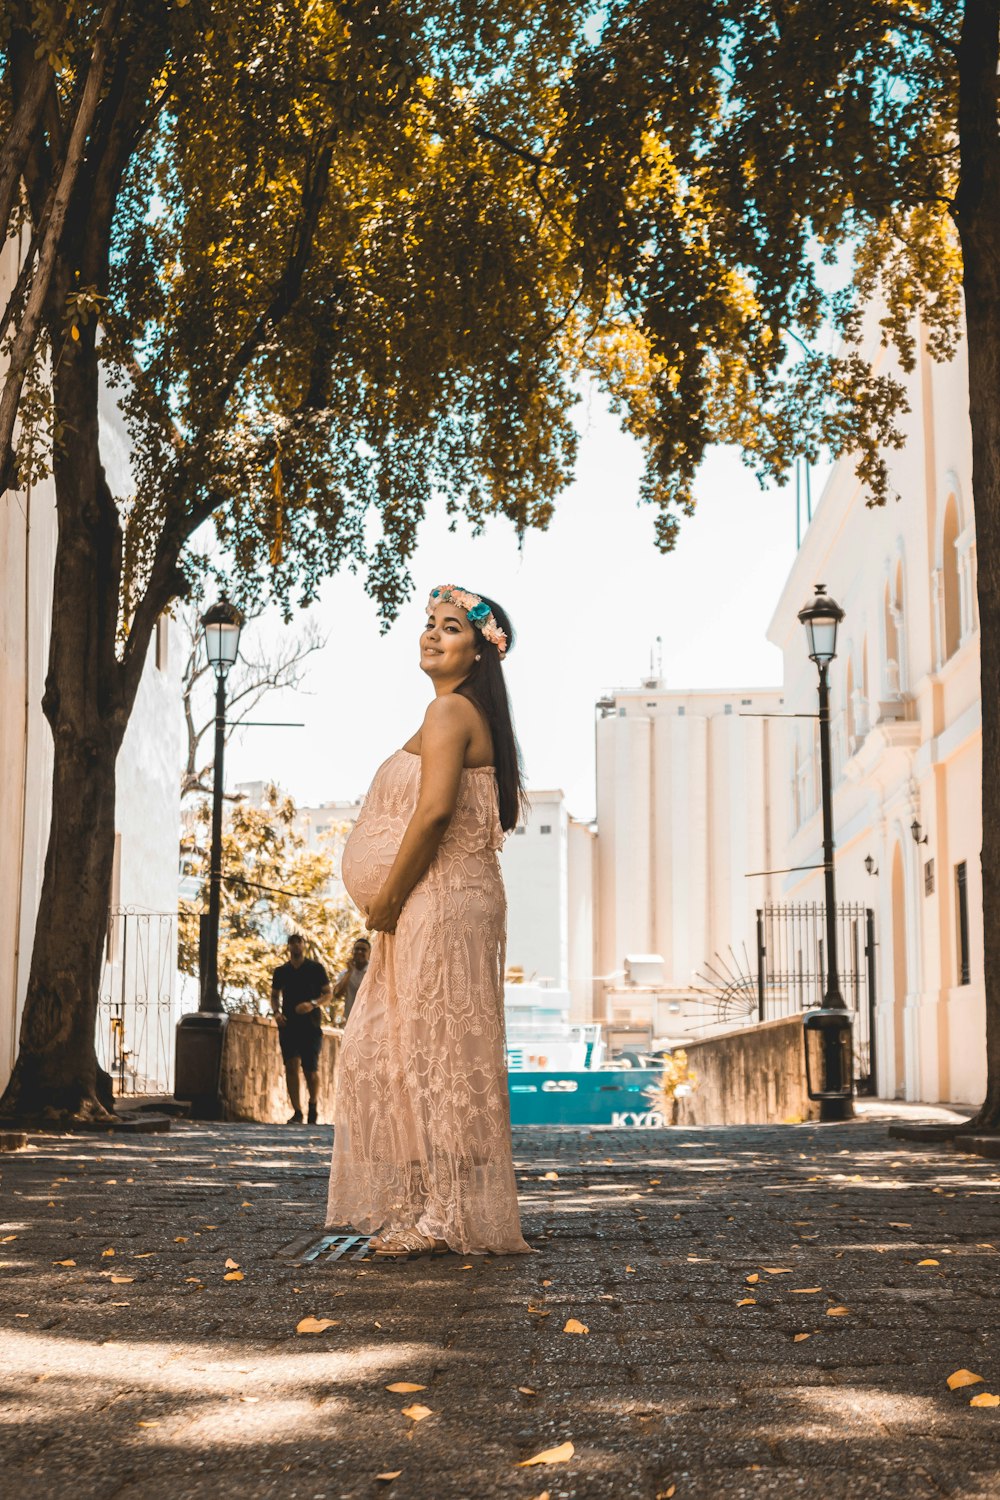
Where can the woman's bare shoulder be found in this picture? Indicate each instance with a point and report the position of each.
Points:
(451, 713)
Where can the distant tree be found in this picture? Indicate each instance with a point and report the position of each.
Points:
(273, 885)
(264, 666)
(303, 246)
(712, 155)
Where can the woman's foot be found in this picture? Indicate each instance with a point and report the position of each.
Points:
(403, 1242)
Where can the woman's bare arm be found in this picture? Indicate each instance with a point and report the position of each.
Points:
(447, 731)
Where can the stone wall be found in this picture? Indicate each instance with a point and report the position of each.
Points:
(253, 1076)
(756, 1076)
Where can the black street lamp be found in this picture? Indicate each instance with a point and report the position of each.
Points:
(200, 1035)
(829, 1064)
(222, 625)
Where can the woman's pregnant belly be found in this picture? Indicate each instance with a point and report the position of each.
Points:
(368, 857)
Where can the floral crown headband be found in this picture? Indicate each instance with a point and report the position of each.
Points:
(477, 612)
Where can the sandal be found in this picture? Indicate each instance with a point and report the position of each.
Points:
(406, 1242)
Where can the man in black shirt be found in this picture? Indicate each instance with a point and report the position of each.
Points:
(298, 991)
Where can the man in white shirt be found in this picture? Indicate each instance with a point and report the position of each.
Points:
(349, 980)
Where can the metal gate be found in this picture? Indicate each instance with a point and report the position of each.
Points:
(792, 971)
(136, 1012)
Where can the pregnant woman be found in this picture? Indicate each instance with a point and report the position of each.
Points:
(422, 1146)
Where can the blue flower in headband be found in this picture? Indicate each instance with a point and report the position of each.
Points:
(479, 612)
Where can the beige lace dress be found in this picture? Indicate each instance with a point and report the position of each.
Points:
(422, 1119)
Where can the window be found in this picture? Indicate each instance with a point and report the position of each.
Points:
(962, 914)
(745, 702)
(729, 708)
(681, 709)
(952, 631)
(162, 642)
(520, 829)
(650, 705)
(621, 713)
(114, 902)
(545, 828)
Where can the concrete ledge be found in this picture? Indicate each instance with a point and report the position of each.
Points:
(13, 1140)
(931, 1132)
(252, 1086)
(754, 1076)
(979, 1145)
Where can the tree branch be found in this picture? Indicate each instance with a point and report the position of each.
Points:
(28, 109)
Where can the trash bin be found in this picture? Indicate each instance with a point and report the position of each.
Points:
(199, 1042)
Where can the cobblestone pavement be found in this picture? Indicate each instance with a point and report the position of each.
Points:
(771, 1312)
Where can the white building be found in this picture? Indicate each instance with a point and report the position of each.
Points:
(906, 734)
(148, 789)
(548, 871)
(691, 807)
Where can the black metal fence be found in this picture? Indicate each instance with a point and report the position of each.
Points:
(792, 970)
(137, 1009)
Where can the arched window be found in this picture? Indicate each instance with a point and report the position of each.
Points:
(950, 589)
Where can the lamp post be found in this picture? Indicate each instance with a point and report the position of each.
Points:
(222, 625)
(828, 1030)
(200, 1034)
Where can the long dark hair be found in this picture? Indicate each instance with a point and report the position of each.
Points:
(486, 688)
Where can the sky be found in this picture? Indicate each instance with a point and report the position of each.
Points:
(587, 599)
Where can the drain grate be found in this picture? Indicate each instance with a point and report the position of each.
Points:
(334, 1247)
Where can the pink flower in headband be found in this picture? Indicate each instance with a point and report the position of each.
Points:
(477, 612)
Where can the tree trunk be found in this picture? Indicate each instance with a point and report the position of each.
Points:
(977, 214)
(56, 1073)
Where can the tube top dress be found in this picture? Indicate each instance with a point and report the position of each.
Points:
(422, 1118)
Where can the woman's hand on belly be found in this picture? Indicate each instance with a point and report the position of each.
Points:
(383, 913)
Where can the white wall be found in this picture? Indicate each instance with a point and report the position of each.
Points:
(535, 872)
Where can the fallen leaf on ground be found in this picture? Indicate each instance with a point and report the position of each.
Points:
(543, 1496)
(928, 1262)
(315, 1325)
(985, 1399)
(7, 1239)
(245, 1204)
(560, 1455)
(106, 1252)
(630, 1270)
(252, 1400)
(549, 1177)
(390, 1474)
(404, 1387)
(417, 1412)
(526, 1390)
(753, 1277)
(804, 1291)
(64, 1262)
(747, 1302)
(147, 1424)
(667, 1494)
(546, 1283)
(837, 1312)
(800, 1336)
(573, 1325)
(233, 1276)
(144, 1255)
(962, 1377)
(898, 1224)
(655, 1181)
(232, 1265)
(121, 1280)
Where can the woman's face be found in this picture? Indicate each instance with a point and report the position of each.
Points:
(447, 644)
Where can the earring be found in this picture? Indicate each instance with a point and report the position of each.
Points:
(478, 657)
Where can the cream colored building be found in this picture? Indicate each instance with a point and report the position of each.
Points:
(547, 864)
(691, 806)
(148, 785)
(906, 735)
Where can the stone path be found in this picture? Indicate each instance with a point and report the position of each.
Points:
(145, 1373)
